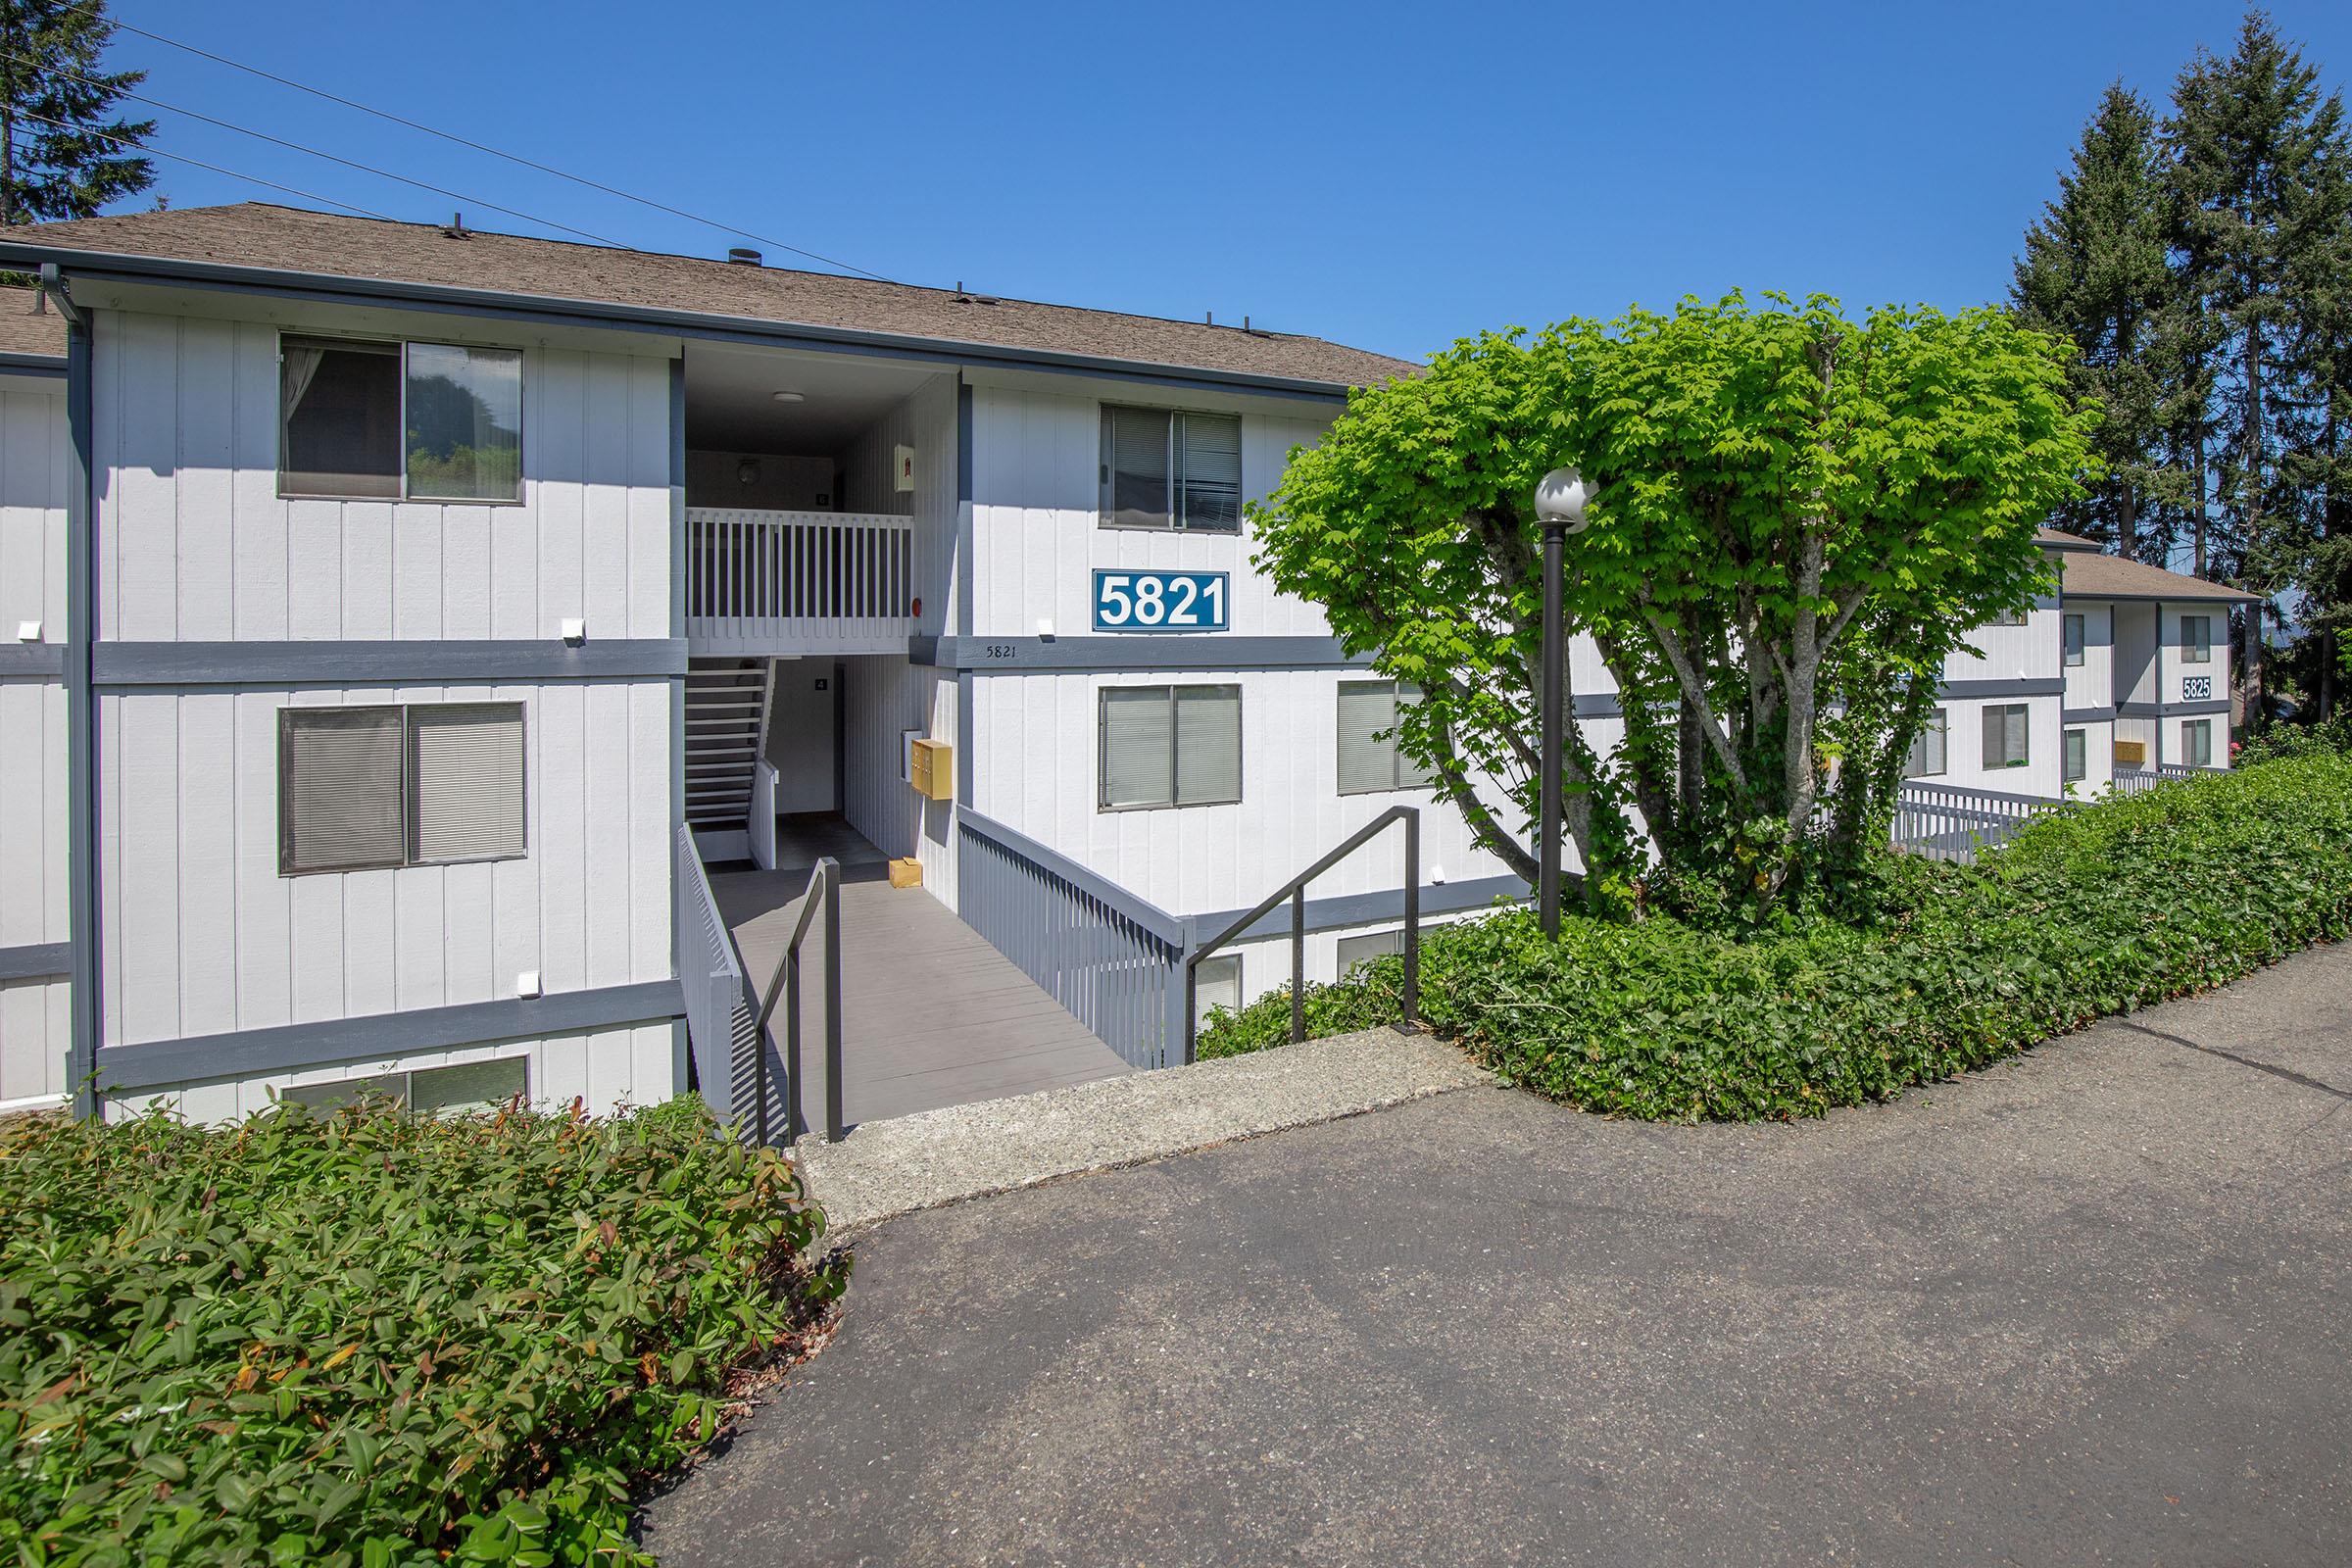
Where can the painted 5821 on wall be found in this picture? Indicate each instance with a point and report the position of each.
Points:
(1160, 600)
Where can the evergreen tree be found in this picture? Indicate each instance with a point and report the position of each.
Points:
(2095, 270)
(64, 151)
(2317, 464)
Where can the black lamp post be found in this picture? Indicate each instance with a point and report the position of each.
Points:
(1560, 499)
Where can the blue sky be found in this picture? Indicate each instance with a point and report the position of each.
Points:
(1389, 175)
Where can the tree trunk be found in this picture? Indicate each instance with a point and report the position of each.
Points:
(2327, 683)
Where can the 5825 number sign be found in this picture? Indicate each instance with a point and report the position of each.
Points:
(1160, 601)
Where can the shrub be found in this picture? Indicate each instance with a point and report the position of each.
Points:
(2089, 911)
(2278, 740)
(366, 1338)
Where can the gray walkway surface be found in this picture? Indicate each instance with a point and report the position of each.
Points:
(921, 1161)
(2094, 1305)
(931, 1014)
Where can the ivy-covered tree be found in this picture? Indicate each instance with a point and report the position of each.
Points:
(1800, 514)
(2095, 272)
(64, 150)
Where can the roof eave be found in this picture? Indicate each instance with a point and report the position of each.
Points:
(336, 288)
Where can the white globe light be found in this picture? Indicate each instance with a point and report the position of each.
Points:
(1561, 498)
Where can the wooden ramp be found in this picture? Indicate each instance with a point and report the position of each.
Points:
(932, 1015)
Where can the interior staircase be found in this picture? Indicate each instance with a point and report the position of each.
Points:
(726, 730)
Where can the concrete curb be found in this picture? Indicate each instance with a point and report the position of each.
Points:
(942, 1156)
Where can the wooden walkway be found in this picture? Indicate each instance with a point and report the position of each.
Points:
(931, 1014)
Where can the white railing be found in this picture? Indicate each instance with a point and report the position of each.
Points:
(798, 581)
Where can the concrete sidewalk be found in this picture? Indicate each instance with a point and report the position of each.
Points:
(2093, 1305)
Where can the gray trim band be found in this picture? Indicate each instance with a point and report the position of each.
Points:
(1363, 909)
(38, 960)
(296, 663)
(243, 1053)
(2202, 708)
(1190, 651)
(1961, 690)
(2086, 715)
(44, 660)
(54, 364)
(501, 304)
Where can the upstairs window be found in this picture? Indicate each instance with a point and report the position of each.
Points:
(2074, 638)
(1926, 759)
(1170, 746)
(431, 784)
(2078, 757)
(2010, 617)
(387, 422)
(1164, 468)
(1369, 759)
(2005, 735)
(2196, 638)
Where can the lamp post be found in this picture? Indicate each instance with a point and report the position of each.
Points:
(1560, 499)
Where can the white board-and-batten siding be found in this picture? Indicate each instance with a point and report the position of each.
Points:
(34, 1012)
(195, 544)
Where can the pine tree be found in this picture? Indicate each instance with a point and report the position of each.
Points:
(2317, 464)
(2095, 270)
(64, 151)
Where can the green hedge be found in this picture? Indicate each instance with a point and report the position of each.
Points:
(367, 1338)
(2096, 911)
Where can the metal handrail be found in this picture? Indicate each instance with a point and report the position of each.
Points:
(1294, 890)
(785, 983)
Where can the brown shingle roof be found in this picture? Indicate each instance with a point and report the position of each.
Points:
(2105, 577)
(296, 240)
(24, 331)
(2060, 539)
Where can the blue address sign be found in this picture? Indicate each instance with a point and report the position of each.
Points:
(1160, 600)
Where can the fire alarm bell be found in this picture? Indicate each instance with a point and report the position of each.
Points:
(905, 467)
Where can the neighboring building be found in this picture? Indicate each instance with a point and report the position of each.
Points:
(2125, 670)
(403, 590)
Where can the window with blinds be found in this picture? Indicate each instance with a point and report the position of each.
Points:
(1926, 759)
(1369, 758)
(2005, 735)
(2196, 743)
(429, 784)
(1167, 469)
(2078, 757)
(1170, 746)
(2196, 638)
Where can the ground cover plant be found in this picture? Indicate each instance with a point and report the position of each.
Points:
(1927, 971)
(367, 1338)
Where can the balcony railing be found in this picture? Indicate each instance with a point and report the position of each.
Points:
(798, 581)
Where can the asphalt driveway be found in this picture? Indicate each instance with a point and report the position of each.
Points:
(2093, 1305)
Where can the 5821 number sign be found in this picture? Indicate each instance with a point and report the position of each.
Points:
(1160, 600)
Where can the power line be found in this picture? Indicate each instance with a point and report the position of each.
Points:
(280, 141)
(495, 152)
(182, 158)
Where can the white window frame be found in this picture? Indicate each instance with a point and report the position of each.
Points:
(1175, 453)
(402, 345)
(293, 712)
(1397, 760)
(2025, 755)
(1103, 700)
(2013, 617)
(1941, 723)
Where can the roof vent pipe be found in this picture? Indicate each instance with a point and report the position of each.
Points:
(456, 228)
(743, 256)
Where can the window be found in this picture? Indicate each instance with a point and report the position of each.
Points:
(1170, 746)
(2005, 735)
(1162, 468)
(1369, 759)
(2074, 638)
(454, 1091)
(2078, 756)
(2010, 617)
(2196, 743)
(2196, 638)
(429, 421)
(1364, 948)
(1927, 748)
(437, 784)
(1217, 983)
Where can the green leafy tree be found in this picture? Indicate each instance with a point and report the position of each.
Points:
(1800, 516)
(64, 150)
(2095, 270)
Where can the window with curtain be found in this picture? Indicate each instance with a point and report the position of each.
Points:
(2196, 638)
(2196, 743)
(1170, 746)
(2078, 756)
(429, 784)
(2005, 735)
(1927, 748)
(375, 421)
(2074, 638)
(1369, 759)
(1168, 468)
